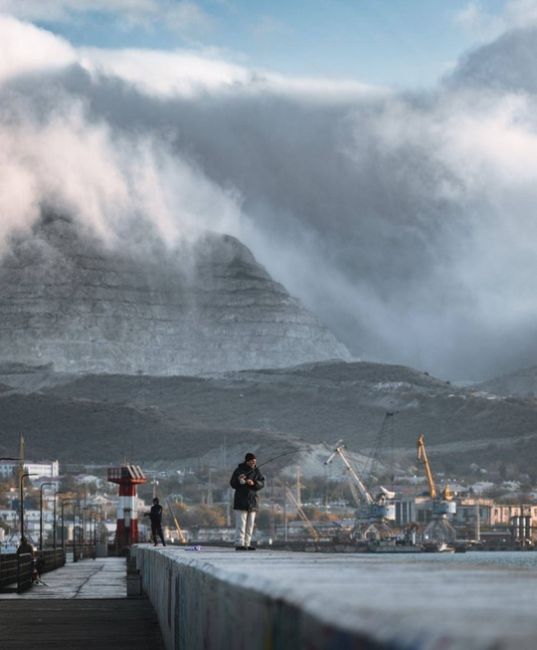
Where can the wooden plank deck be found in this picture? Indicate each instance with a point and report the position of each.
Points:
(79, 624)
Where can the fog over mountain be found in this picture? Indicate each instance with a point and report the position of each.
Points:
(404, 221)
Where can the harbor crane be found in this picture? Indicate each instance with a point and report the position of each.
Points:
(180, 532)
(439, 530)
(442, 503)
(313, 533)
(373, 513)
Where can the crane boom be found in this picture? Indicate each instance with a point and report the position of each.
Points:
(422, 456)
(300, 511)
(354, 491)
(180, 532)
(365, 493)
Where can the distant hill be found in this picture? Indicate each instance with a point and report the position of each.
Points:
(520, 383)
(106, 417)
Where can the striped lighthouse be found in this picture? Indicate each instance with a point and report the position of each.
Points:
(127, 477)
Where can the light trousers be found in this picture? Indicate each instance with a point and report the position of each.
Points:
(244, 527)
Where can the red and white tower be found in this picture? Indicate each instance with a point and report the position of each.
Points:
(127, 477)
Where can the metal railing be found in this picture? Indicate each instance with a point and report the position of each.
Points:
(9, 567)
(17, 570)
(83, 551)
(50, 559)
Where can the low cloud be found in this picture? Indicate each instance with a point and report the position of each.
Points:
(405, 221)
(26, 49)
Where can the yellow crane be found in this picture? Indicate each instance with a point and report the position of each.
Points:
(422, 456)
(439, 531)
(447, 493)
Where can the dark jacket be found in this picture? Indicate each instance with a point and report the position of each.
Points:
(246, 495)
(155, 514)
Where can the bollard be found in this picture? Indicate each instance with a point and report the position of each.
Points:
(134, 579)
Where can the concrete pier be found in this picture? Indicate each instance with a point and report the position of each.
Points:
(218, 599)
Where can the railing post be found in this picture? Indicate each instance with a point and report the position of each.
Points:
(24, 572)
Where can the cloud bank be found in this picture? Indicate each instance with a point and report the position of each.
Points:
(404, 221)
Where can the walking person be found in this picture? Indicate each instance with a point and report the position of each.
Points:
(246, 480)
(155, 515)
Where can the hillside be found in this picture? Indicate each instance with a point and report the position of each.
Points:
(520, 383)
(105, 417)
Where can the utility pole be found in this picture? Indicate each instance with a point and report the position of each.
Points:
(298, 487)
(210, 488)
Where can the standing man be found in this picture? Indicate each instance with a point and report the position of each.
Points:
(155, 515)
(246, 480)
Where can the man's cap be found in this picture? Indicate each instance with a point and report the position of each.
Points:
(248, 457)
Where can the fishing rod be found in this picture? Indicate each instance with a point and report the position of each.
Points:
(270, 460)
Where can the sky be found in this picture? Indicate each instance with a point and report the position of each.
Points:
(379, 158)
(404, 43)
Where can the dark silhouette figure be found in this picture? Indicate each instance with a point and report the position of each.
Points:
(155, 515)
(246, 480)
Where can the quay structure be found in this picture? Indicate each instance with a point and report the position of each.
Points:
(215, 599)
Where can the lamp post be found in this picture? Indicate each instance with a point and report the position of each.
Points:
(62, 509)
(95, 529)
(41, 513)
(97, 524)
(86, 519)
(91, 518)
(21, 509)
(21, 505)
(75, 507)
(54, 522)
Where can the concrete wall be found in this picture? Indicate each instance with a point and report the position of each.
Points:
(200, 607)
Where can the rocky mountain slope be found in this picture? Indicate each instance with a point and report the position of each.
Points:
(107, 417)
(205, 306)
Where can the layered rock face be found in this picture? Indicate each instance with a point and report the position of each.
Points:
(206, 307)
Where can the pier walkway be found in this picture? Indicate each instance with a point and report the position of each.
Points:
(82, 606)
(217, 599)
